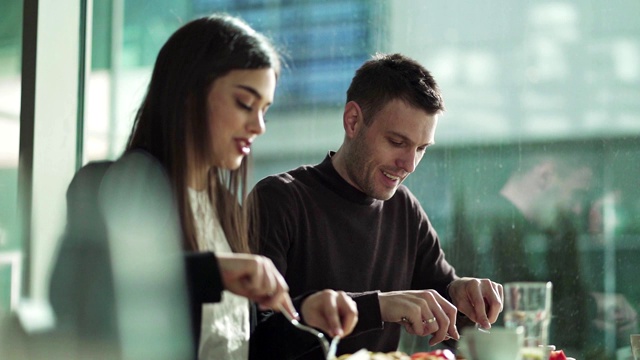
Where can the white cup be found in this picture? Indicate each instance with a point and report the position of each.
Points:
(499, 343)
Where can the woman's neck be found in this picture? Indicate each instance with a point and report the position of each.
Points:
(199, 179)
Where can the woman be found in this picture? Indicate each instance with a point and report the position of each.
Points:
(183, 176)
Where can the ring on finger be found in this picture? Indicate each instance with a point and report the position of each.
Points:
(429, 321)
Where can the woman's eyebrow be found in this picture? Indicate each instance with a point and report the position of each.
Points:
(251, 90)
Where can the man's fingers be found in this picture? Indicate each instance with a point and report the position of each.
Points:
(439, 324)
(474, 290)
(495, 302)
(329, 314)
(421, 312)
(333, 312)
(348, 312)
(480, 299)
(452, 314)
(412, 325)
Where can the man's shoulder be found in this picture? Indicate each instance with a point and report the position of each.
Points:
(289, 178)
(404, 194)
(405, 199)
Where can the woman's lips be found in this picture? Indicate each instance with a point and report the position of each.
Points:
(244, 146)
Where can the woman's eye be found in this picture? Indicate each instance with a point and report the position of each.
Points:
(243, 105)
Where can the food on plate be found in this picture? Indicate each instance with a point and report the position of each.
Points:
(434, 355)
(370, 355)
(398, 355)
(530, 354)
(557, 355)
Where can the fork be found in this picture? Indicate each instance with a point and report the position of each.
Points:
(477, 327)
(329, 349)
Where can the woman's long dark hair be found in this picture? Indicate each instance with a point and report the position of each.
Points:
(172, 125)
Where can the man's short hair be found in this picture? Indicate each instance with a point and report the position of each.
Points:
(388, 77)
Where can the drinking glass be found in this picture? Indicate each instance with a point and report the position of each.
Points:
(528, 304)
(635, 346)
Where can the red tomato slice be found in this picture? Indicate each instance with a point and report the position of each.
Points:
(557, 355)
(437, 354)
(419, 355)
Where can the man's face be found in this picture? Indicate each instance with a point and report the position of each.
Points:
(383, 154)
(564, 197)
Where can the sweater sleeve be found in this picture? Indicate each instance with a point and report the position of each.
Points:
(432, 270)
(203, 277)
(205, 285)
(369, 304)
(272, 205)
(147, 259)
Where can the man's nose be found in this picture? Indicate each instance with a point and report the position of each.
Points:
(408, 161)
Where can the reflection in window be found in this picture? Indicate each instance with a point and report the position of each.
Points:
(324, 41)
(523, 81)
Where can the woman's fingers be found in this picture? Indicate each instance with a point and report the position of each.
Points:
(274, 290)
(256, 278)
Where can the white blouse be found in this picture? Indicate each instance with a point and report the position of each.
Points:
(225, 325)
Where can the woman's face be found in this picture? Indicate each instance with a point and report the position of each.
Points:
(236, 105)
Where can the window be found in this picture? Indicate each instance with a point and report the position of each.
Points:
(543, 114)
(10, 57)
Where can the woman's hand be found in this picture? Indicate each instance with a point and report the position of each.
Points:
(333, 312)
(256, 278)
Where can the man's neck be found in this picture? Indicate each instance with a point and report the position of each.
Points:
(338, 162)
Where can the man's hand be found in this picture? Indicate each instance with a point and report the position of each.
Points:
(422, 312)
(479, 299)
(333, 312)
(256, 278)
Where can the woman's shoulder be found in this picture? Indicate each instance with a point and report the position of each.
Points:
(138, 157)
(137, 164)
(136, 171)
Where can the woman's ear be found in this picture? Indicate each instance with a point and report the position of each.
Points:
(352, 119)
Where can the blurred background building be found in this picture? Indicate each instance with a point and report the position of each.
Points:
(521, 80)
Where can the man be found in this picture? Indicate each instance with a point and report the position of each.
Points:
(348, 223)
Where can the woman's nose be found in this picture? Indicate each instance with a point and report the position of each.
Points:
(257, 124)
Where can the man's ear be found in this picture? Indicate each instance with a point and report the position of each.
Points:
(352, 119)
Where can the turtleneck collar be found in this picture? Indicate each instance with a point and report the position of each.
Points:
(330, 176)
